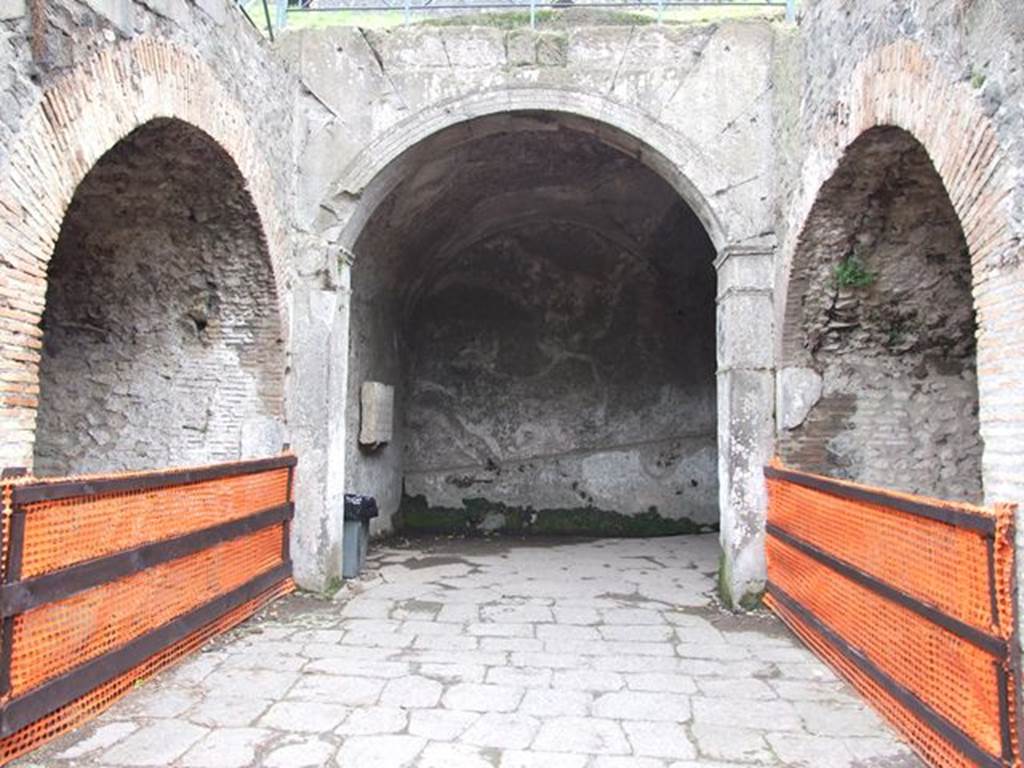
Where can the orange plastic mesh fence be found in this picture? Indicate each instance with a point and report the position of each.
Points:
(912, 599)
(53, 638)
(935, 751)
(66, 531)
(86, 707)
(958, 583)
(107, 579)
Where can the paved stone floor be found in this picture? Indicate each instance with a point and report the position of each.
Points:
(487, 654)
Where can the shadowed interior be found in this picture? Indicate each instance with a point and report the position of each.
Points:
(544, 305)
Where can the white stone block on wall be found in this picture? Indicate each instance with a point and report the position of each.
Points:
(215, 9)
(377, 402)
(121, 13)
(11, 9)
(799, 390)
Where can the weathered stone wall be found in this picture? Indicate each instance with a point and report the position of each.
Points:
(36, 49)
(966, 49)
(161, 338)
(879, 335)
(659, 87)
(375, 353)
(946, 73)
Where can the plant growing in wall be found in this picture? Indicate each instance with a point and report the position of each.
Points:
(851, 273)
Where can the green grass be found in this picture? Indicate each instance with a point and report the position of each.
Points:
(713, 13)
(254, 10)
(851, 273)
(521, 18)
(364, 19)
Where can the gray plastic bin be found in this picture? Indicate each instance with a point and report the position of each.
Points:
(359, 510)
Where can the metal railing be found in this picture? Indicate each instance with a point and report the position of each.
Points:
(406, 10)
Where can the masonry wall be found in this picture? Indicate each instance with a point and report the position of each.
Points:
(975, 43)
(656, 85)
(879, 340)
(37, 48)
(376, 352)
(75, 78)
(37, 53)
(161, 342)
(966, 109)
(659, 90)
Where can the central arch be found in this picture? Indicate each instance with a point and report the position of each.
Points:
(543, 303)
(677, 158)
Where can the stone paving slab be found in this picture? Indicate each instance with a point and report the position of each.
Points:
(498, 654)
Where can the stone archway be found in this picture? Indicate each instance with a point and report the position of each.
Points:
(676, 158)
(742, 302)
(80, 117)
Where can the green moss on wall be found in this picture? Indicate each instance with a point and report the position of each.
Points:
(748, 602)
(479, 516)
